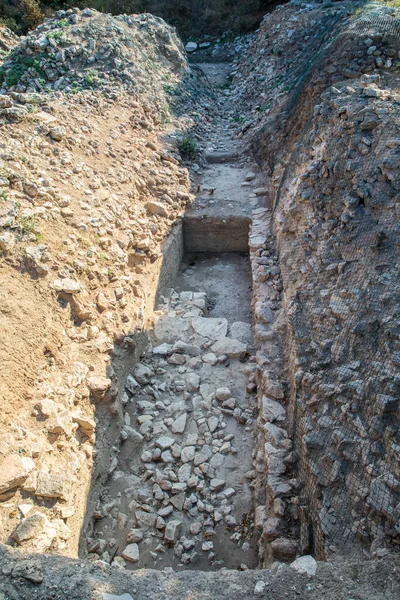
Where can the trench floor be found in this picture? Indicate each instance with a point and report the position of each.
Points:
(179, 493)
(225, 278)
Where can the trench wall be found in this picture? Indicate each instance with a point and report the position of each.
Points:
(330, 157)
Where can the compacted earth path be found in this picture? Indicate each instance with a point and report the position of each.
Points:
(181, 493)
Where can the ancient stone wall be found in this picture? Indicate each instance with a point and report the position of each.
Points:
(335, 194)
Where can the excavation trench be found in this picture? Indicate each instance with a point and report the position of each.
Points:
(180, 488)
(179, 493)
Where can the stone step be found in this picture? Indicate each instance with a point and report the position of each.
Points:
(213, 157)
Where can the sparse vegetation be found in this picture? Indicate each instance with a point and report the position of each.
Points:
(91, 78)
(14, 74)
(187, 147)
(27, 225)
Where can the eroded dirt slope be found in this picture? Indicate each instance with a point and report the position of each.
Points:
(88, 193)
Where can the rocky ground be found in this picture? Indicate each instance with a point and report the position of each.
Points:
(180, 492)
(25, 578)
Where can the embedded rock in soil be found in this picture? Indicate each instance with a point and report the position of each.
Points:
(14, 471)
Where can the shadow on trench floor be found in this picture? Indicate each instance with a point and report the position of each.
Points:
(178, 492)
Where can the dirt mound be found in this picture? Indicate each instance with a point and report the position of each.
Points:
(85, 49)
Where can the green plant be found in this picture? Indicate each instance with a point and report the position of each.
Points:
(61, 23)
(168, 88)
(91, 77)
(21, 66)
(227, 85)
(3, 195)
(187, 147)
(264, 107)
(10, 23)
(27, 225)
(55, 35)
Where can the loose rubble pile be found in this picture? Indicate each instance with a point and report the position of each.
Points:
(86, 49)
(39, 577)
(179, 492)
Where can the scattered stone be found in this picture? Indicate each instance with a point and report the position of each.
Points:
(191, 47)
(131, 553)
(216, 484)
(29, 527)
(142, 373)
(230, 347)
(172, 531)
(165, 442)
(222, 394)
(135, 536)
(192, 382)
(14, 471)
(68, 286)
(106, 596)
(259, 588)
(178, 426)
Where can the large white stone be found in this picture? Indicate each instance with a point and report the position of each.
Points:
(213, 329)
(171, 329)
(305, 564)
(229, 347)
(191, 47)
(14, 470)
